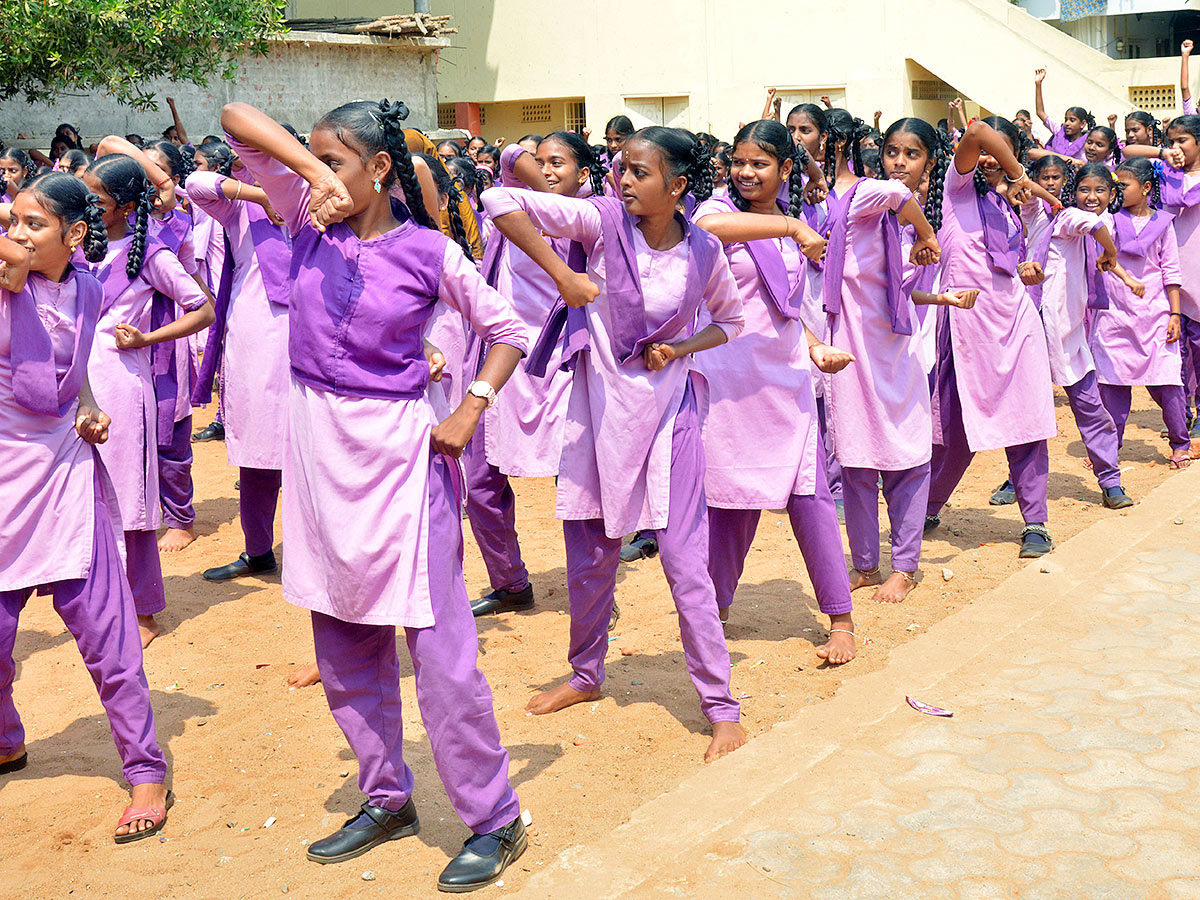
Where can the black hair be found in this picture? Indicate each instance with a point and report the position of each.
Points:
(21, 158)
(73, 160)
(376, 128)
(476, 137)
(814, 112)
(209, 138)
(1190, 124)
(68, 198)
(1025, 113)
(684, 155)
(65, 141)
(294, 133)
(585, 157)
(65, 127)
(1052, 161)
(220, 158)
(458, 150)
(621, 125)
(1146, 172)
(937, 145)
(1016, 137)
(1111, 136)
(166, 132)
(870, 159)
(849, 131)
(463, 169)
(136, 139)
(536, 138)
(774, 138)
(448, 186)
(1080, 113)
(943, 126)
(125, 181)
(874, 134)
(1147, 121)
(177, 166)
(1093, 170)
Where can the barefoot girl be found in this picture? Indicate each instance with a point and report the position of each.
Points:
(1136, 339)
(136, 265)
(61, 532)
(762, 447)
(1069, 139)
(632, 455)
(371, 498)
(993, 384)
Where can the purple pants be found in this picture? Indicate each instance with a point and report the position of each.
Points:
(1028, 464)
(175, 488)
(592, 559)
(1097, 429)
(492, 512)
(98, 611)
(1189, 353)
(833, 469)
(360, 672)
(907, 495)
(144, 568)
(1118, 398)
(257, 499)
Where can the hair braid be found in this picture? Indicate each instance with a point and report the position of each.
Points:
(937, 183)
(389, 116)
(700, 174)
(597, 170)
(141, 231)
(796, 181)
(456, 223)
(95, 242)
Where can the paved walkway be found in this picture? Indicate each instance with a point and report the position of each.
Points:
(1070, 770)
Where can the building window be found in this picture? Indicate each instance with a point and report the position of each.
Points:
(535, 113)
(669, 111)
(1159, 97)
(924, 89)
(576, 116)
(446, 115)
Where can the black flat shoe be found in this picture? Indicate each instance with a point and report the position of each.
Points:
(499, 601)
(932, 522)
(1035, 541)
(483, 859)
(14, 765)
(639, 548)
(244, 565)
(1004, 495)
(213, 431)
(1116, 498)
(347, 843)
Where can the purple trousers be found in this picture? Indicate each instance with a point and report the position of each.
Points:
(98, 611)
(1189, 352)
(907, 495)
(492, 512)
(833, 469)
(257, 500)
(360, 672)
(144, 568)
(1118, 398)
(1028, 464)
(592, 559)
(175, 488)
(1097, 429)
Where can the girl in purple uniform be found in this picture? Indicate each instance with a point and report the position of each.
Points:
(1069, 138)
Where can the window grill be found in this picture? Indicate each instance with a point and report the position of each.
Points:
(1153, 96)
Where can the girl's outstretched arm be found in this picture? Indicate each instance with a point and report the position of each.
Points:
(160, 179)
(980, 137)
(1039, 103)
(179, 130)
(1185, 81)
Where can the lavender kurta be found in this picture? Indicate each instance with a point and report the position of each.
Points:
(878, 407)
(760, 435)
(1187, 232)
(616, 459)
(1129, 339)
(254, 364)
(186, 348)
(47, 467)
(1061, 144)
(1065, 294)
(1000, 360)
(357, 454)
(122, 381)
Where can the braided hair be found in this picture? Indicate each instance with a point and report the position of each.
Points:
(1145, 171)
(1080, 113)
(773, 138)
(1109, 135)
(448, 187)
(1148, 122)
(219, 156)
(464, 171)
(1052, 161)
(178, 166)
(938, 148)
(290, 129)
(848, 131)
(376, 128)
(585, 157)
(73, 161)
(21, 158)
(125, 181)
(1017, 139)
(1093, 170)
(684, 155)
(68, 198)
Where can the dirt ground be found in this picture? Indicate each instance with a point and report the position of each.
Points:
(246, 751)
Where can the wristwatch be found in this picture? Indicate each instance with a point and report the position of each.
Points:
(483, 391)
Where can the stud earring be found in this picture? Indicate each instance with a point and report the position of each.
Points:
(378, 186)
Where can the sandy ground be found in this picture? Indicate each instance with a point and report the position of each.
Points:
(245, 750)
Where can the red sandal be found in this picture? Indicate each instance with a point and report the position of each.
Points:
(144, 814)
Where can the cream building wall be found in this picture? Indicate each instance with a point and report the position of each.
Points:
(707, 63)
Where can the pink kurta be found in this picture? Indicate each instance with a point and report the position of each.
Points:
(1065, 294)
(1187, 232)
(1129, 339)
(187, 350)
(1000, 360)
(760, 435)
(122, 382)
(48, 468)
(922, 278)
(616, 459)
(254, 365)
(877, 407)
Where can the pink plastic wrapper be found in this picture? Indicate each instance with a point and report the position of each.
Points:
(927, 709)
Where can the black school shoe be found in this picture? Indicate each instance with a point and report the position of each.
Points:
(484, 858)
(213, 431)
(385, 825)
(1004, 495)
(639, 548)
(1116, 498)
(244, 565)
(1035, 541)
(499, 601)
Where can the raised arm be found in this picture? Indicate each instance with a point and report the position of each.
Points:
(980, 137)
(1039, 103)
(183, 138)
(160, 179)
(1185, 81)
(766, 113)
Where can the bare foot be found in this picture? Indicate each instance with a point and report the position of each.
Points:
(896, 588)
(143, 796)
(860, 579)
(561, 697)
(727, 737)
(305, 676)
(839, 648)
(150, 629)
(176, 539)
